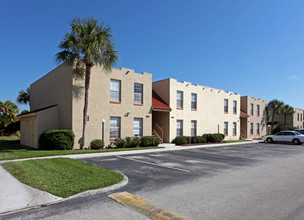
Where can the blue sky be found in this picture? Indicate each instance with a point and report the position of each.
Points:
(254, 48)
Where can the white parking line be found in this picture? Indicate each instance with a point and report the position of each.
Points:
(154, 164)
(200, 160)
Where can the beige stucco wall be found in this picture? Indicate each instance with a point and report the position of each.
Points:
(261, 119)
(100, 107)
(209, 115)
(55, 88)
(33, 124)
(28, 131)
(47, 120)
(291, 120)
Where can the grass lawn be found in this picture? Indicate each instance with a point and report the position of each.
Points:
(237, 141)
(62, 177)
(10, 151)
(7, 138)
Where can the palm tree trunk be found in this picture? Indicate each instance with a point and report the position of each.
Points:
(85, 107)
(272, 120)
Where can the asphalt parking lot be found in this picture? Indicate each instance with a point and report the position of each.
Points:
(252, 181)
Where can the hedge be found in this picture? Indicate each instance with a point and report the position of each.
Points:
(211, 138)
(129, 142)
(61, 139)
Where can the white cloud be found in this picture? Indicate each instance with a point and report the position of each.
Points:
(293, 77)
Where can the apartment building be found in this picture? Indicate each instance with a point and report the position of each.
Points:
(121, 98)
(196, 110)
(295, 120)
(253, 118)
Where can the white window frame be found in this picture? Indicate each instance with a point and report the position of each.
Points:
(179, 127)
(226, 128)
(193, 127)
(193, 101)
(138, 127)
(179, 99)
(234, 107)
(251, 109)
(138, 93)
(251, 128)
(115, 93)
(234, 129)
(115, 127)
(226, 105)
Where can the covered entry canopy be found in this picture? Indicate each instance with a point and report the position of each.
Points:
(33, 123)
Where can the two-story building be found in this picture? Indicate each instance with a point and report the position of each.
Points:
(196, 110)
(121, 98)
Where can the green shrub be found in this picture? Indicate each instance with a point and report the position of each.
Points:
(214, 138)
(60, 139)
(128, 141)
(96, 144)
(283, 128)
(149, 141)
(135, 142)
(181, 140)
(194, 139)
(200, 139)
(120, 143)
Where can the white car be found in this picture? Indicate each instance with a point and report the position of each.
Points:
(285, 136)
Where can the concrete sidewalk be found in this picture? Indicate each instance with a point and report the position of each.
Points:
(15, 195)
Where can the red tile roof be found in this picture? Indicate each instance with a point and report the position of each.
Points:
(244, 115)
(158, 103)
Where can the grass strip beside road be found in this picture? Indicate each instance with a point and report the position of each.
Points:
(9, 150)
(235, 141)
(62, 177)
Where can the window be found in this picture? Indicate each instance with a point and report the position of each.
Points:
(225, 128)
(234, 128)
(114, 127)
(301, 117)
(251, 109)
(115, 90)
(258, 128)
(179, 99)
(138, 93)
(298, 116)
(251, 128)
(193, 101)
(137, 128)
(225, 105)
(234, 107)
(179, 128)
(258, 110)
(193, 128)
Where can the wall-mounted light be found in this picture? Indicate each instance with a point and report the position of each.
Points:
(147, 116)
(172, 116)
(127, 114)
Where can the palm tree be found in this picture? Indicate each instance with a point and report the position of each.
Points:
(286, 110)
(87, 44)
(274, 106)
(24, 96)
(8, 113)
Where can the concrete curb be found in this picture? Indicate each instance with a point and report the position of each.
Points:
(79, 195)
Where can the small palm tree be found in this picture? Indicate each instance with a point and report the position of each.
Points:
(274, 106)
(8, 113)
(286, 110)
(87, 44)
(24, 96)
